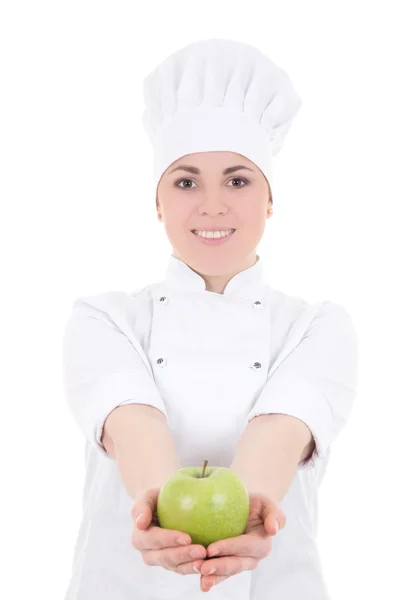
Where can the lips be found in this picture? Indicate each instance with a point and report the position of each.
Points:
(214, 241)
(213, 234)
(213, 229)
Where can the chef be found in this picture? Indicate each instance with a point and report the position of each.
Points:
(237, 372)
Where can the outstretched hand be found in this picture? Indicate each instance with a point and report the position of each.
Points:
(166, 548)
(244, 552)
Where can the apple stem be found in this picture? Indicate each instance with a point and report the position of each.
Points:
(204, 467)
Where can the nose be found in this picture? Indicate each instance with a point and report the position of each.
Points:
(212, 205)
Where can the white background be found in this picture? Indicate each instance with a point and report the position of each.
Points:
(78, 217)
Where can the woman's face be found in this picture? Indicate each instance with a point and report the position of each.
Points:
(207, 196)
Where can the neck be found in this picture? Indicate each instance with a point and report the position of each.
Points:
(218, 283)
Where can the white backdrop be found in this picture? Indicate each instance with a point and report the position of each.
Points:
(78, 217)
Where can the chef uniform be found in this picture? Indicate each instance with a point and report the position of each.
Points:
(210, 363)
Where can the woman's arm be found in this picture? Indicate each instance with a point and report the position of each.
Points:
(138, 438)
(269, 452)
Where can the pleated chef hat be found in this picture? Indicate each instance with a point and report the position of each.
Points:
(218, 95)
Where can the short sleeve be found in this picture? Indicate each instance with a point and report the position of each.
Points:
(317, 381)
(102, 369)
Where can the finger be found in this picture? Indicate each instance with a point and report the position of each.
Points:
(255, 546)
(274, 519)
(144, 508)
(272, 515)
(147, 535)
(189, 568)
(206, 583)
(176, 559)
(228, 566)
(157, 538)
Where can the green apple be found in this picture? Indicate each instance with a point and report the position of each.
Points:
(209, 504)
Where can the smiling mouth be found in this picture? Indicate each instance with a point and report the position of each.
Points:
(210, 235)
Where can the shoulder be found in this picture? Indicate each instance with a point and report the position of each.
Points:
(113, 307)
(284, 306)
(293, 319)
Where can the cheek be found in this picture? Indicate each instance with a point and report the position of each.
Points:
(254, 218)
(177, 221)
(175, 212)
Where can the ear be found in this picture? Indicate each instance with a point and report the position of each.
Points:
(270, 207)
(159, 216)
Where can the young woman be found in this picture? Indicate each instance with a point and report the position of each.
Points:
(211, 362)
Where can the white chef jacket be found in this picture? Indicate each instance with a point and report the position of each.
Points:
(210, 363)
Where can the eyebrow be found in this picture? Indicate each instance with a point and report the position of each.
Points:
(196, 171)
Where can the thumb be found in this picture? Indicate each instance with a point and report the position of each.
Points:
(274, 519)
(144, 507)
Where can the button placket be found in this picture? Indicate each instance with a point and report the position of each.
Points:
(256, 365)
(162, 362)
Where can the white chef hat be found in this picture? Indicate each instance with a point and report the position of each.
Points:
(218, 95)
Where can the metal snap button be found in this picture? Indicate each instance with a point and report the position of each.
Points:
(163, 300)
(161, 362)
(256, 366)
(256, 303)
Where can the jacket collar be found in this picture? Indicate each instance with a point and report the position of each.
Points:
(246, 284)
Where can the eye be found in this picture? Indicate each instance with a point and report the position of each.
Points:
(184, 187)
(239, 179)
(178, 183)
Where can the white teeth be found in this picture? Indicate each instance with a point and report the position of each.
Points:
(213, 234)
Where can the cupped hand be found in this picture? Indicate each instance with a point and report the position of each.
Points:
(166, 548)
(244, 552)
